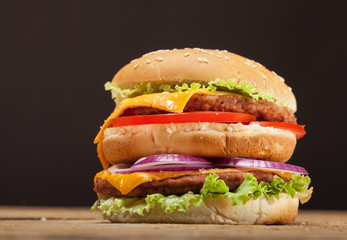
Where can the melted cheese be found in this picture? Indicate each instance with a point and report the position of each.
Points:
(125, 183)
(101, 155)
(171, 102)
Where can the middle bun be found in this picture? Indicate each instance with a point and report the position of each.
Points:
(128, 144)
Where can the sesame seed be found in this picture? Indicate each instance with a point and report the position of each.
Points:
(218, 55)
(203, 128)
(226, 57)
(263, 75)
(205, 60)
(203, 51)
(161, 50)
(159, 59)
(211, 53)
(248, 63)
(200, 59)
(196, 48)
(186, 54)
(264, 82)
(168, 130)
(136, 65)
(148, 61)
(282, 79)
(253, 65)
(285, 91)
(254, 84)
(271, 90)
(224, 51)
(290, 89)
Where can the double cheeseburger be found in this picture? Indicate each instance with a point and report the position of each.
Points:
(199, 136)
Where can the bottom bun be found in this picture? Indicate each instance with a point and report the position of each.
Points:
(220, 211)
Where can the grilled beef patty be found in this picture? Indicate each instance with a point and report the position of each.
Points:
(262, 109)
(180, 185)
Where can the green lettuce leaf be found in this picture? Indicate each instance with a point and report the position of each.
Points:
(213, 188)
(243, 88)
(242, 194)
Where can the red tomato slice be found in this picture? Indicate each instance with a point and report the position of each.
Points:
(186, 117)
(205, 116)
(298, 130)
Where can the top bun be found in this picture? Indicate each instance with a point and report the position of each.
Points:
(180, 66)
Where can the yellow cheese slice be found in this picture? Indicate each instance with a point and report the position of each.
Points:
(100, 151)
(125, 183)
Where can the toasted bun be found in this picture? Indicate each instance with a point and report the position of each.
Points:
(128, 144)
(220, 211)
(203, 65)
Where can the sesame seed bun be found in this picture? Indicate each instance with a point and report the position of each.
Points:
(128, 144)
(180, 66)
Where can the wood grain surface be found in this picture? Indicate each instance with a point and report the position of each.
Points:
(79, 223)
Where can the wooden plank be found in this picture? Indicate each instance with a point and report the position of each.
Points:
(78, 223)
(48, 212)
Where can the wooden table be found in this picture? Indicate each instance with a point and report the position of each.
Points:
(78, 223)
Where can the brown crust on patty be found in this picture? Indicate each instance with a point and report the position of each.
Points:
(262, 109)
(180, 185)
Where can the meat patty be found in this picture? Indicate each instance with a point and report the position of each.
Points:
(181, 185)
(262, 109)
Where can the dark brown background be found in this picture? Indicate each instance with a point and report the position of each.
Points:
(56, 56)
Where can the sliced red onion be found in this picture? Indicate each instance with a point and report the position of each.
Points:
(178, 162)
(164, 159)
(116, 167)
(168, 167)
(255, 163)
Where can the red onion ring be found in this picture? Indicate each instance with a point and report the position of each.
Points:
(168, 167)
(260, 164)
(164, 159)
(178, 162)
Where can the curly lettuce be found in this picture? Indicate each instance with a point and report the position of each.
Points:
(213, 188)
(231, 85)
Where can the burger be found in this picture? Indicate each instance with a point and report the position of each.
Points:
(199, 136)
